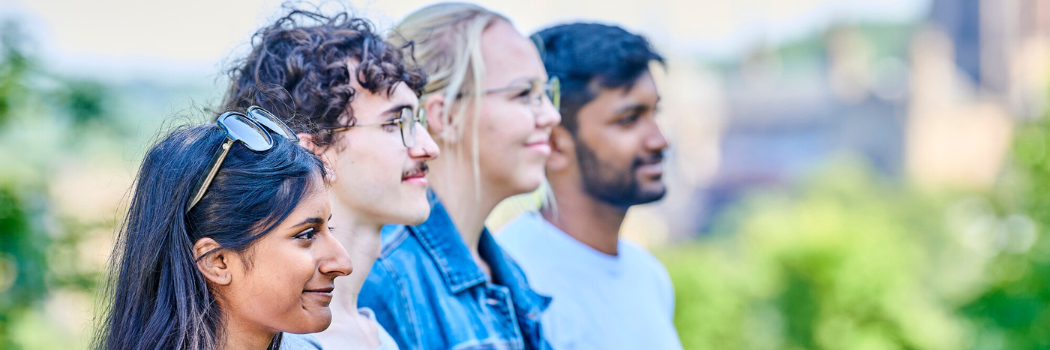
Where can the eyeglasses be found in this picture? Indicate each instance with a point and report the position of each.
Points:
(537, 89)
(248, 129)
(406, 122)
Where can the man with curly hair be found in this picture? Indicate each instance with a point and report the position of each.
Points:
(349, 96)
(605, 157)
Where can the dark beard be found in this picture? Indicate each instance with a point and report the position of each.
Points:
(614, 185)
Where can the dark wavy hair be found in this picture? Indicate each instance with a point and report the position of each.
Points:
(158, 299)
(586, 56)
(298, 69)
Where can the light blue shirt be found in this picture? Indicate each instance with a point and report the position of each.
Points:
(600, 301)
(291, 341)
(312, 341)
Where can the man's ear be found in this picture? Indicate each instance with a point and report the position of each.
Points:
(308, 141)
(212, 261)
(436, 110)
(563, 150)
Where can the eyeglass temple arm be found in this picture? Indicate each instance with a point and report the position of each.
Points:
(213, 168)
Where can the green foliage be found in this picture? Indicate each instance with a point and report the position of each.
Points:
(21, 261)
(39, 249)
(850, 262)
(13, 68)
(1014, 312)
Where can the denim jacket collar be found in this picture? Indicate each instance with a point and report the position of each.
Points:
(441, 239)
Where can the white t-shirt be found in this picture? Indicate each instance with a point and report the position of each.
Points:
(600, 301)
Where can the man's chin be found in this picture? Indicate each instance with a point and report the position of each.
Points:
(651, 193)
(416, 214)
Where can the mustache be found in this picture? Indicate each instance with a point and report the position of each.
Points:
(649, 159)
(422, 168)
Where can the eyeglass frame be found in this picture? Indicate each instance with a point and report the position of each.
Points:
(413, 118)
(249, 115)
(551, 89)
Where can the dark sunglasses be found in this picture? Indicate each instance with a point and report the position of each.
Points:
(248, 129)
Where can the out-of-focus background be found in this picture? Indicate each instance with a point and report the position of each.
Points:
(845, 174)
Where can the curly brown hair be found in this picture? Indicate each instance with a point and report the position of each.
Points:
(298, 69)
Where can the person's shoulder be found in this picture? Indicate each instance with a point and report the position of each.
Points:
(403, 257)
(291, 341)
(526, 240)
(641, 256)
(522, 229)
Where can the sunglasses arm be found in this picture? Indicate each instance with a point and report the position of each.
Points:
(213, 168)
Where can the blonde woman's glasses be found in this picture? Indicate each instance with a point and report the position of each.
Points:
(537, 89)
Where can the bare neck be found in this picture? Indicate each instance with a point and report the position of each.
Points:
(360, 237)
(452, 179)
(240, 336)
(585, 218)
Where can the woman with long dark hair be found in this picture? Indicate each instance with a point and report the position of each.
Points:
(226, 243)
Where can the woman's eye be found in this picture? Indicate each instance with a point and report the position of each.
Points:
(306, 234)
(523, 94)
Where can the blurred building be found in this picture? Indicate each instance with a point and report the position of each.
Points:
(932, 102)
(979, 67)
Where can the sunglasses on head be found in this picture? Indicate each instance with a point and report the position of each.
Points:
(249, 129)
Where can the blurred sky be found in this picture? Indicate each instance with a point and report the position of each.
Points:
(188, 39)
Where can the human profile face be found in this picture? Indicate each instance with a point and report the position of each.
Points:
(619, 147)
(284, 281)
(376, 176)
(513, 133)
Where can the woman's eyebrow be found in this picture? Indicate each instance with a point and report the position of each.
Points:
(310, 221)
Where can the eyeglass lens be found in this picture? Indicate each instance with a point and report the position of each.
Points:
(554, 92)
(270, 121)
(408, 127)
(551, 89)
(239, 127)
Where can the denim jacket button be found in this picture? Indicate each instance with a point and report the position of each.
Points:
(492, 301)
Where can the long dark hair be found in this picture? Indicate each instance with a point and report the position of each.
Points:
(158, 297)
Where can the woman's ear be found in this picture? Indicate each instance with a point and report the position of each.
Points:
(212, 261)
(436, 110)
(308, 141)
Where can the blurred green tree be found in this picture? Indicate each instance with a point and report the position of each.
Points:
(853, 261)
(33, 236)
(1014, 311)
(848, 261)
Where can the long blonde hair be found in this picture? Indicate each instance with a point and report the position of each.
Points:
(445, 41)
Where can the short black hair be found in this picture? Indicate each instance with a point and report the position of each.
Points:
(589, 56)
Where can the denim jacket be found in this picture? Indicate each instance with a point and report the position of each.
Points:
(428, 293)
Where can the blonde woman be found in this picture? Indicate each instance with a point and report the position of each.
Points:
(445, 283)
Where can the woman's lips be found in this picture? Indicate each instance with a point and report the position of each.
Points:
(541, 147)
(325, 294)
